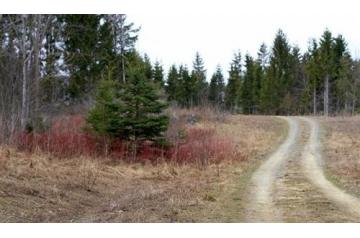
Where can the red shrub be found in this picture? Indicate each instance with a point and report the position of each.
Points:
(202, 146)
(66, 139)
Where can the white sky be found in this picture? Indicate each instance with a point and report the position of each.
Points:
(172, 31)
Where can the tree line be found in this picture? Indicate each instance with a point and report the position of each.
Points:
(52, 60)
(280, 80)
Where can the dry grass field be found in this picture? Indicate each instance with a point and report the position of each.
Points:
(40, 188)
(342, 152)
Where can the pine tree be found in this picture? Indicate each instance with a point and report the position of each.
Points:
(278, 77)
(327, 66)
(216, 89)
(106, 109)
(297, 84)
(148, 69)
(198, 75)
(83, 52)
(258, 78)
(158, 74)
(172, 83)
(342, 64)
(124, 36)
(247, 90)
(263, 56)
(313, 73)
(233, 87)
(345, 93)
(186, 88)
(131, 112)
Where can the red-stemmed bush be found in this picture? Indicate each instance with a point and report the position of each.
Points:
(66, 138)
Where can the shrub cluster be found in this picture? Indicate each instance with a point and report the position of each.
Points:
(66, 138)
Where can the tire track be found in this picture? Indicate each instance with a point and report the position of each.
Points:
(261, 205)
(311, 160)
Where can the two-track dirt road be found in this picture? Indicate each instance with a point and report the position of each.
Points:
(290, 185)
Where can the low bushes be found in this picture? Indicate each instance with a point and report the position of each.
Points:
(66, 139)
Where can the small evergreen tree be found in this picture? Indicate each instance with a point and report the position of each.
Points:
(106, 110)
(140, 111)
(132, 112)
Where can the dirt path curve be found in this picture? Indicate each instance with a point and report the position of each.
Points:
(312, 166)
(261, 207)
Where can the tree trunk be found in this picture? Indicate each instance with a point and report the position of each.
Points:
(23, 95)
(314, 102)
(123, 68)
(24, 73)
(326, 96)
(37, 43)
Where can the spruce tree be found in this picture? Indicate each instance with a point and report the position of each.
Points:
(82, 39)
(216, 88)
(172, 83)
(346, 95)
(342, 64)
(158, 74)
(327, 67)
(313, 73)
(131, 112)
(278, 77)
(198, 75)
(106, 109)
(186, 88)
(247, 90)
(233, 87)
(148, 69)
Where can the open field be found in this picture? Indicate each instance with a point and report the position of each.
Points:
(342, 150)
(40, 188)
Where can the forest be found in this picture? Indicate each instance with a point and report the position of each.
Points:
(53, 62)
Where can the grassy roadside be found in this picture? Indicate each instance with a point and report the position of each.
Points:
(341, 149)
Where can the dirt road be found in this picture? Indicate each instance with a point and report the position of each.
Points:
(290, 185)
(261, 208)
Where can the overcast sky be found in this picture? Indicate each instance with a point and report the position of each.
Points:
(172, 31)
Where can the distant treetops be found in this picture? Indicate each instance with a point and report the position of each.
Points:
(280, 80)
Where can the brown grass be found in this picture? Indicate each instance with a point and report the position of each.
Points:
(39, 188)
(342, 150)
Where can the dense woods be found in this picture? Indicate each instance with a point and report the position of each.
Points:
(52, 62)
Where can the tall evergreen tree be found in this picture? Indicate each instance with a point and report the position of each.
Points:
(233, 86)
(172, 83)
(216, 89)
(327, 66)
(313, 73)
(279, 78)
(263, 56)
(83, 51)
(124, 36)
(342, 64)
(158, 74)
(198, 75)
(187, 88)
(247, 90)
